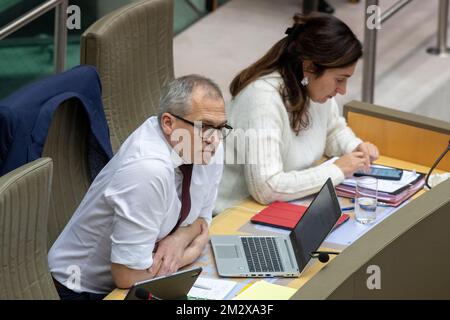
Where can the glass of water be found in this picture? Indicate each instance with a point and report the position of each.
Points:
(366, 199)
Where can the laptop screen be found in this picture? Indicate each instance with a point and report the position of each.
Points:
(316, 223)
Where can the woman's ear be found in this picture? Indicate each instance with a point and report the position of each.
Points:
(308, 67)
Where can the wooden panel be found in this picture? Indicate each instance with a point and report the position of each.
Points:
(401, 141)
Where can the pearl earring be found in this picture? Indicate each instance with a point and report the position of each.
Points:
(305, 81)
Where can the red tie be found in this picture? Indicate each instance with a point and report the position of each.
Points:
(186, 170)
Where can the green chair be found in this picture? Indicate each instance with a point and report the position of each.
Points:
(132, 51)
(24, 201)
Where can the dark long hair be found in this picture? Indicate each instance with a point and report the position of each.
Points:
(321, 38)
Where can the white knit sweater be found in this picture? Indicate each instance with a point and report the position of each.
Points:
(288, 169)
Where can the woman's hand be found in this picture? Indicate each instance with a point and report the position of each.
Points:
(352, 162)
(369, 149)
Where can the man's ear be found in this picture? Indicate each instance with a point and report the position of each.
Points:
(167, 123)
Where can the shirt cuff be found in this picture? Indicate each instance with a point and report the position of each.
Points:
(352, 145)
(136, 257)
(337, 176)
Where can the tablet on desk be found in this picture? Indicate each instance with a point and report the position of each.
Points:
(382, 173)
(172, 287)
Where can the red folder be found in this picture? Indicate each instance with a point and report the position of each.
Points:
(286, 216)
(344, 217)
(280, 214)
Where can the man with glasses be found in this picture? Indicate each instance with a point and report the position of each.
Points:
(207, 135)
(147, 213)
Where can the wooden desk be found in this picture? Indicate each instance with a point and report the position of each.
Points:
(233, 219)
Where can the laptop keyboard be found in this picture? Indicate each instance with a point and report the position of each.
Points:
(262, 254)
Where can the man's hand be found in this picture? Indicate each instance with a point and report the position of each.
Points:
(202, 239)
(180, 249)
(170, 251)
(197, 246)
(168, 256)
(369, 149)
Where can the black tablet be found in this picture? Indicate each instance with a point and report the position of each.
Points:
(382, 173)
(172, 287)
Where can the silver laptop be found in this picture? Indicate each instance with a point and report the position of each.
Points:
(279, 256)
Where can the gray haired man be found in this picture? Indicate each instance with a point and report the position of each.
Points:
(147, 213)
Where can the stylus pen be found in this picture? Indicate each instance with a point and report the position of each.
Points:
(153, 297)
(201, 287)
(379, 203)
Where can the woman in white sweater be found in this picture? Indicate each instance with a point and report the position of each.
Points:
(286, 117)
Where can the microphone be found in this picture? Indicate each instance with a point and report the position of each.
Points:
(435, 165)
(323, 256)
(143, 294)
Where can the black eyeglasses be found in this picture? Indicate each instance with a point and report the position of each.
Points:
(208, 130)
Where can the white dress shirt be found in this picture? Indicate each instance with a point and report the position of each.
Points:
(132, 204)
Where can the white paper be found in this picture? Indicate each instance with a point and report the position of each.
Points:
(351, 230)
(389, 185)
(214, 289)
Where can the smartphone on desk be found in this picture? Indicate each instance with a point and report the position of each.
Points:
(382, 173)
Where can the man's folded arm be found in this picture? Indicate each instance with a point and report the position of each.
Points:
(197, 235)
(138, 196)
(125, 277)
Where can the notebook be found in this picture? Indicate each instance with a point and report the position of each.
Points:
(262, 290)
(393, 193)
(280, 214)
(285, 215)
(393, 187)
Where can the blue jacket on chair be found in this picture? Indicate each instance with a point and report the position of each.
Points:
(26, 115)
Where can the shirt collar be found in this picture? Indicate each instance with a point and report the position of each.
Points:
(174, 157)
